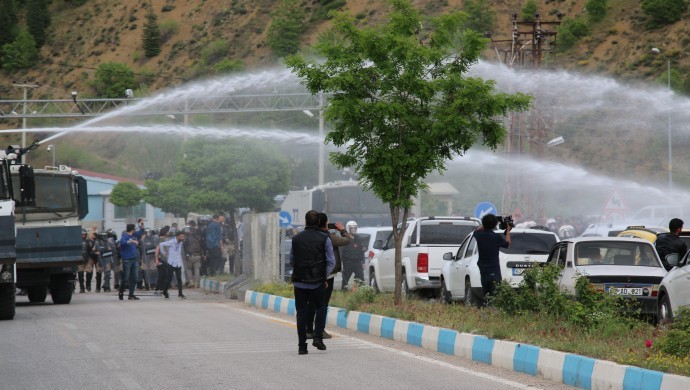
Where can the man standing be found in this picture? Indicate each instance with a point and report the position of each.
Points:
(337, 241)
(105, 251)
(128, 251)
(488, 244)
(173, 250)
(670, 243)
(85, 266)
(353, 256)
(214, 244)
(312, 260)
(192, 249)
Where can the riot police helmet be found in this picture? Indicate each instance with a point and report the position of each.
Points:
(351, 226)
(102, 235)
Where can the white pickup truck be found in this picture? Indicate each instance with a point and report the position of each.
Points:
(425, 241)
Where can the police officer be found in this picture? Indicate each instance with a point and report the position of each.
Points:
(117, 262)
(105, 251)
(352, 256)
(86, 265)
(193, 251)
(148, 258)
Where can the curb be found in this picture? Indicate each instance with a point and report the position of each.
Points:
(574, 370)
(212, 286)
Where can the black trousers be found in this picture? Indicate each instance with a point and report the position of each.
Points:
(178, 277)
(303, 296)
(328, 291)
(489, 281)
(350, 268)
(215, 261)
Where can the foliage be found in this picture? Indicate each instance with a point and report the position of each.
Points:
(360, 296)
(152, 35)
(228, 66)
(287, 25)
(112, 79)
(38, 20)
(677, 340)
(215, 51)
(20, 54)
(323, 12)
(570, 31)
(664, 11)
(9, 30)
(225, 175)
(596, 10)
(402, 105)
(168, 28)
(125, 194)
(480, 15)
(169, 194)
(528, 11)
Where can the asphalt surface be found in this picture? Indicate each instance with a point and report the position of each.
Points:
(209, 342)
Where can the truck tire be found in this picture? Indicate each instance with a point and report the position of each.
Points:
(470, 298)
(37, 294)
(372, 281)
(445, 294)
(7, 301)
(61, 292)
(405, 288)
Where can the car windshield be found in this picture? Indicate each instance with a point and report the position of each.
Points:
(623, 253)
(530, 243)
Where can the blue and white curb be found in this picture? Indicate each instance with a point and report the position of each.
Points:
(212, 285)
(574, 370)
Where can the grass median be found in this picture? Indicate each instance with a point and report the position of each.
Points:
(556, 322)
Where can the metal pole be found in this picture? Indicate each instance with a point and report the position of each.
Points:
(26, 90)
(321, 144)
(52, 149)
(670, 160)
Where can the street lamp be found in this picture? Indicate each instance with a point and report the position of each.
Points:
(668, 122)
(51, 148)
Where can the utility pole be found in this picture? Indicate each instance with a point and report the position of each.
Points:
(26, 90)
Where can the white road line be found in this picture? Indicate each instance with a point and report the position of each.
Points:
(413, 356)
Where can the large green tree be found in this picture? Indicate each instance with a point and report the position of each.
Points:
(38, 20)
(664, 11)
(402, 104)
(112, 79)
(126, 194)
(287, 25)
(8, 22)
(20, 54)
(480, 15)
(170, 194)
(152, 35)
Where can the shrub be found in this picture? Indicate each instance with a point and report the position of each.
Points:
(20, 54)
(528, 11)
(677, 340)
(480, 15)
(570, 31)
(596, 10)
(228, 66)
(287, 25)
(664, 11)
(215, 51)
(168, 28)
(112, 79)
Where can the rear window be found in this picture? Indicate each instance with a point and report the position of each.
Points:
(609, 253)
(444, 233)
(530, 243)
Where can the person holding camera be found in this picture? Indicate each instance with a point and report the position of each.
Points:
(488, 244)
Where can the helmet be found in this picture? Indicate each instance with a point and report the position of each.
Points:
(150, 232)
(172, 232)
(83, 231)
(111, 234)
(102, 235)
(350, 224)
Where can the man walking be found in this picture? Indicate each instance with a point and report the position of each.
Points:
(173, 250)
(214, 244)
(670, 243)
(488, 244)
(312, 260)
(128, 251)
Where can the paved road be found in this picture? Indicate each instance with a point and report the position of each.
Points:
(206, 342)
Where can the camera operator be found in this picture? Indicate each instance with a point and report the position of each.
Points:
(488, 244)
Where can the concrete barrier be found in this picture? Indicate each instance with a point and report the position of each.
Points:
(579, 371)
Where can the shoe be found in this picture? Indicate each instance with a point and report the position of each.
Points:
(181, 296)
(310, 335)
(81, 291)
(117, 286)
(303, 351)
(326, 335)
(133, 297)
(99, 290)
(166, 296)
(120, 295)
(88, 289)
(318, 343)
(106, 289)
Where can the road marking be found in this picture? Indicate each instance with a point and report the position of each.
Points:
(93, 347)
(413, 356)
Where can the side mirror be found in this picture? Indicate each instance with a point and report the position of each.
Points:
(448, 256)
(378, 244)
(672, 259)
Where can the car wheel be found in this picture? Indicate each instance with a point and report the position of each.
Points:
(372, 281)
(405, 289)
(665, 311)
(470, 298)
(445, 294)
(37, 294)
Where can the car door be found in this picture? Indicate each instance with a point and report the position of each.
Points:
(454, 275)
(468, 260)
(386, 260)
(568, 276)
(679, 287)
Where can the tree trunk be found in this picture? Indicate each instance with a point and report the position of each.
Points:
(398, 234)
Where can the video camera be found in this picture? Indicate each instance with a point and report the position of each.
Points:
(505, 221)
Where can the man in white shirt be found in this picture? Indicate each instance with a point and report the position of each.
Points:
(173, 251)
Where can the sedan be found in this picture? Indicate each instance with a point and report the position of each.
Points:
(674, 291)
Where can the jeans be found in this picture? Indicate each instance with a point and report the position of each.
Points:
(489, 281)
(303, 298)
(129, 275)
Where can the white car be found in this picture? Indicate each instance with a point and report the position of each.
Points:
(629, 267)
(674, 291)
(370, 235)
(460, 278)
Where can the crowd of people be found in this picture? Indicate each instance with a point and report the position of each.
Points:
(146, 259)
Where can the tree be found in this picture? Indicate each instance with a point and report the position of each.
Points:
(20, 54)
(287, 25)
(112, 79)
(152, 35)
(170, 194)
(664, 11)
(38, 20)
(401, 103)
(126, 194)
(8, 22)
(480, 15)
(596, 10)
(528, 11)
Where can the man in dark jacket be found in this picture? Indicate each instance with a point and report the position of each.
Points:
(669, 243)
(312, 261)
(488, 244)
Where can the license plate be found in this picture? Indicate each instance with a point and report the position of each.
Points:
(518, 271)
(625, 291)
